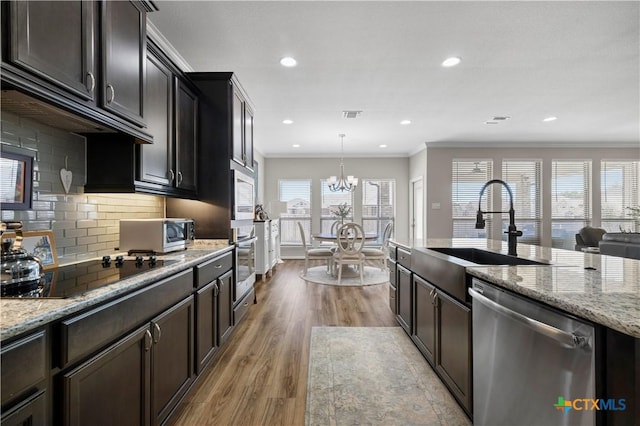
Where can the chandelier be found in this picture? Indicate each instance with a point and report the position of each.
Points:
(342, 184)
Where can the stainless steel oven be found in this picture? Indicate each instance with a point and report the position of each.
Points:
(245, 242)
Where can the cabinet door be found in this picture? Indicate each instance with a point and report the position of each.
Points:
(453, 358)
(186, 137)
(172, 358)
(425, 318)
(124, 57)
(112, 388)
(206, 324)
(403, 293)
(238, 128)
(248, 137)
(155, 158)
(35, 47)
(225, 306)
(32, 412)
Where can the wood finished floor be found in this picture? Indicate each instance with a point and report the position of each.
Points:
(260, 378)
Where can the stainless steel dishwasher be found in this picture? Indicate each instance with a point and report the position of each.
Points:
(526, 357)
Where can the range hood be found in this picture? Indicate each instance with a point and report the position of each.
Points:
(25, 106)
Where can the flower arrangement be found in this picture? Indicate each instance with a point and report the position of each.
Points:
(342, 211)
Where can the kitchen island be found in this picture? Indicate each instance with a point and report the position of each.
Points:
(603, 290)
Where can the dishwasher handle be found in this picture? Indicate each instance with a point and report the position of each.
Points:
(566, 339)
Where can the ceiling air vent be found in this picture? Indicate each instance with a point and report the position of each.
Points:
(351, 114)
(500, 118)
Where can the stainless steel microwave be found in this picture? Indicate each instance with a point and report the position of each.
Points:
(156, 235)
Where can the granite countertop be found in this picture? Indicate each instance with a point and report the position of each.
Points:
(601, 289)
(20, 315)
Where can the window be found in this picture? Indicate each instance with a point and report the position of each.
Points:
(297, 194)
(468, 178)
(378, 205)
(619, 190)
(570, 200)
(524, 179)
(330, 201)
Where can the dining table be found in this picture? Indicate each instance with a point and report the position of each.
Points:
(347, 270)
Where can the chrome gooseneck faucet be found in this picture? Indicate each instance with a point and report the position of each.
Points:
(512, 232)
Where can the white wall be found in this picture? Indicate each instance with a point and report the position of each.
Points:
(438, 182)
(321, 168)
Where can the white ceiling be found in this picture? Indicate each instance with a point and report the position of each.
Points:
(579, 61)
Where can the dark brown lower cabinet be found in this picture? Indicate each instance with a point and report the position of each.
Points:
(424, 335)
(442, 333)
(453, 347)
(207, 320)
(31, 412)
(225, 304)
(113, 387)
(403, 294)
(171, 358)
(137, 380)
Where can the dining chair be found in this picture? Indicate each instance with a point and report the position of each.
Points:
(314, 253)
(350, 238)
(379, 254)
(331, 244)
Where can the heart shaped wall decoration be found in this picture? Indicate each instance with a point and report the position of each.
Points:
(66, 176)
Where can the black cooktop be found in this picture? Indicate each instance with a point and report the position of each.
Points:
(78, 278)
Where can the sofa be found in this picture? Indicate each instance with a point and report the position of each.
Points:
(621, 244)
(588, 237)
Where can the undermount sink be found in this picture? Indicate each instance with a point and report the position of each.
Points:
(484, 257)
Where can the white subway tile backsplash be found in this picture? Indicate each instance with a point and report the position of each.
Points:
(84, 225)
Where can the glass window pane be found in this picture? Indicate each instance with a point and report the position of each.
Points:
(468, 178)
(297, 194)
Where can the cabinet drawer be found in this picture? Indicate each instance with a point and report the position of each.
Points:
(241, 310)
(212, 269)
(86, 333)
(404, 257)
(24, 365)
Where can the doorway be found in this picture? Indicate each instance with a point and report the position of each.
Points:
(417, 211)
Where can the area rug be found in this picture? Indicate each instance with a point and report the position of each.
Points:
(374, 376)
(372, 275)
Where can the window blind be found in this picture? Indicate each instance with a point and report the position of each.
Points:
(618, 191)
(297, 194)
(468, 178)
(524, 178)
(570, 200)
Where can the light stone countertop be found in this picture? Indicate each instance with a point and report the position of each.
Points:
(21, 315)
(602, 289)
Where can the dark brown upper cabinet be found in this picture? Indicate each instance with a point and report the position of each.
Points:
(124, 29)
(168, 165)
(84, 58)
(36, 47)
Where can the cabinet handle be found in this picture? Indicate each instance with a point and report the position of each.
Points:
(216, 290)
(112, 91)
(157, 333)
(179, 178)
(92, 81)
(218, 266)
(434, 298)
(147, 340)
(172, 175)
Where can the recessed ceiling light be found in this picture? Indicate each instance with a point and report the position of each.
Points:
(296, 145)
(287, 121)
(451, 62)
(550, 119)
(490, 122)
(405, 122)
(288, 61)
(383, 146)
